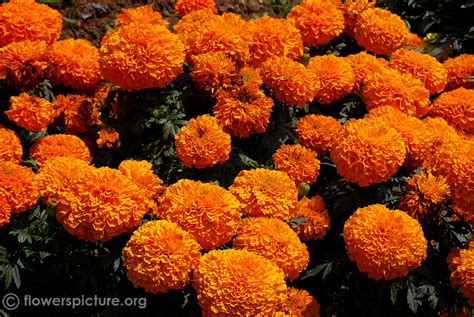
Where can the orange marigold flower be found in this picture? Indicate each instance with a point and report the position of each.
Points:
(11, 149)
(107, 137)
(79, 113)
(389, 87)
(336, 76)
(384, 243)
(160, 256)
(26, 20)
(50, 146)
(442, 133)
(201, 143)
(140, 56)
(212, 71)
(422, 66)
(5, 212)
(413, 40)
(219, 281)
(273, 239)
(75, 63)
(351, 10)
(264, 192)
(209, 212)
(318, 21)
(364, 64)
(368, 152)
(290, 81)
(23, 64)
(100, 205)
(457, 108)
(316, 218)
(459, 69)
(191, 22)
(462, 272)
(30, 112)
(18, 186)
(183, 7)
(318, 132)
(300, 303)
(140, 15)
(273, 37)
(380, 31)
(423, 193)
(298, 162)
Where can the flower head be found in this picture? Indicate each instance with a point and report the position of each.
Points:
(384, 243)
(220, 278)
(413, 41)
(183, 7)
(5, 212)
(462, 271)
(316, 218)
(364, 64)
(18, 186)
(318, 132)
(30, 112)
(11, 149)
(54, 145)
(300, 303)
(78, 113)
(191, 22)
(140, 15)
(212, 71)
(160, 256)
(298, 162)
(107, 137)
(459, 69)
(457, 108)
(352, 9)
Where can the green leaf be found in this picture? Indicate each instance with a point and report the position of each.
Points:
(411, 297)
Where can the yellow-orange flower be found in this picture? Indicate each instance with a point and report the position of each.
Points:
(30, 112)
(54, 145)
(368, 152)
(160, 256)
(318, 21)
(139, 56)
(18, 186)
(423, 193)
(380, 31)
(26, 20)
(422, 66)
(107, 137)
(273, 239)
(23, 64)
(351, 10)
(239, 283)
(413, 40)
(11, 149)
(212, 71)
(79, 113)
(459, 69)
(442, 133)
(5, 212)
(389, 87)
(384, 243)
(140, 15)
(290, 81)
(264, 192)
(457, 108)
(316, 218)
(318, 132)
(190, 23)
(300, 303)
(364, 64)
(209, 212)
(183, 7)
(298, 162)
(201, 143)
(75, 63)
(336, 76)
(462, 272)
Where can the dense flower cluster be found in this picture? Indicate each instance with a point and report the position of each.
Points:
(459, 69)
(364, 64)
(316, 218)
(30, 112)
(352, 9)
(318, 132)
(18, 186)
(462, 271)
(298, 162)
(457, 108)
(51, 146)
(11, 149)
(212, 71)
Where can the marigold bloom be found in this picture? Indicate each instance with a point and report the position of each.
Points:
(140, 56)
(79, 113)
(18, 186)
(368, 152)
(318, 21)
(219, 281)
(212, 71)
(318, 132)
(264, 192)
(351, 10)
(209, 212)
(11, 149)
(336, 76)
(75, 63)
(298, 162)
(442, 133)
(26, 20)
(183, 7)
(423, 192)
(300, 303)
(384, 243)
(54, 145)
(380, 31)
(290, 81)
(391, 88)
(316, 216)
(462, 272)
(413, 41)
(457, 108)
(30, 112)
(459, 69)
(107, 137)
(5, 212)
(191, 22)
(140, 15)
(364, 64)
(160, 256)
(23, 64)
(273, 37)
(201, 143)
(422, 66)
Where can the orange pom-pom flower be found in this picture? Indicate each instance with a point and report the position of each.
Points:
(457, 108)
(18, 186)
(460, 69)
(140, 15)
(30, 112)
(298, 162)
(462, 271)
(364, 64)
(11, 149)
(107, 137)
(183, 7)
(315, 217)
(78, 113)
(318, 132)
(54, 145)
